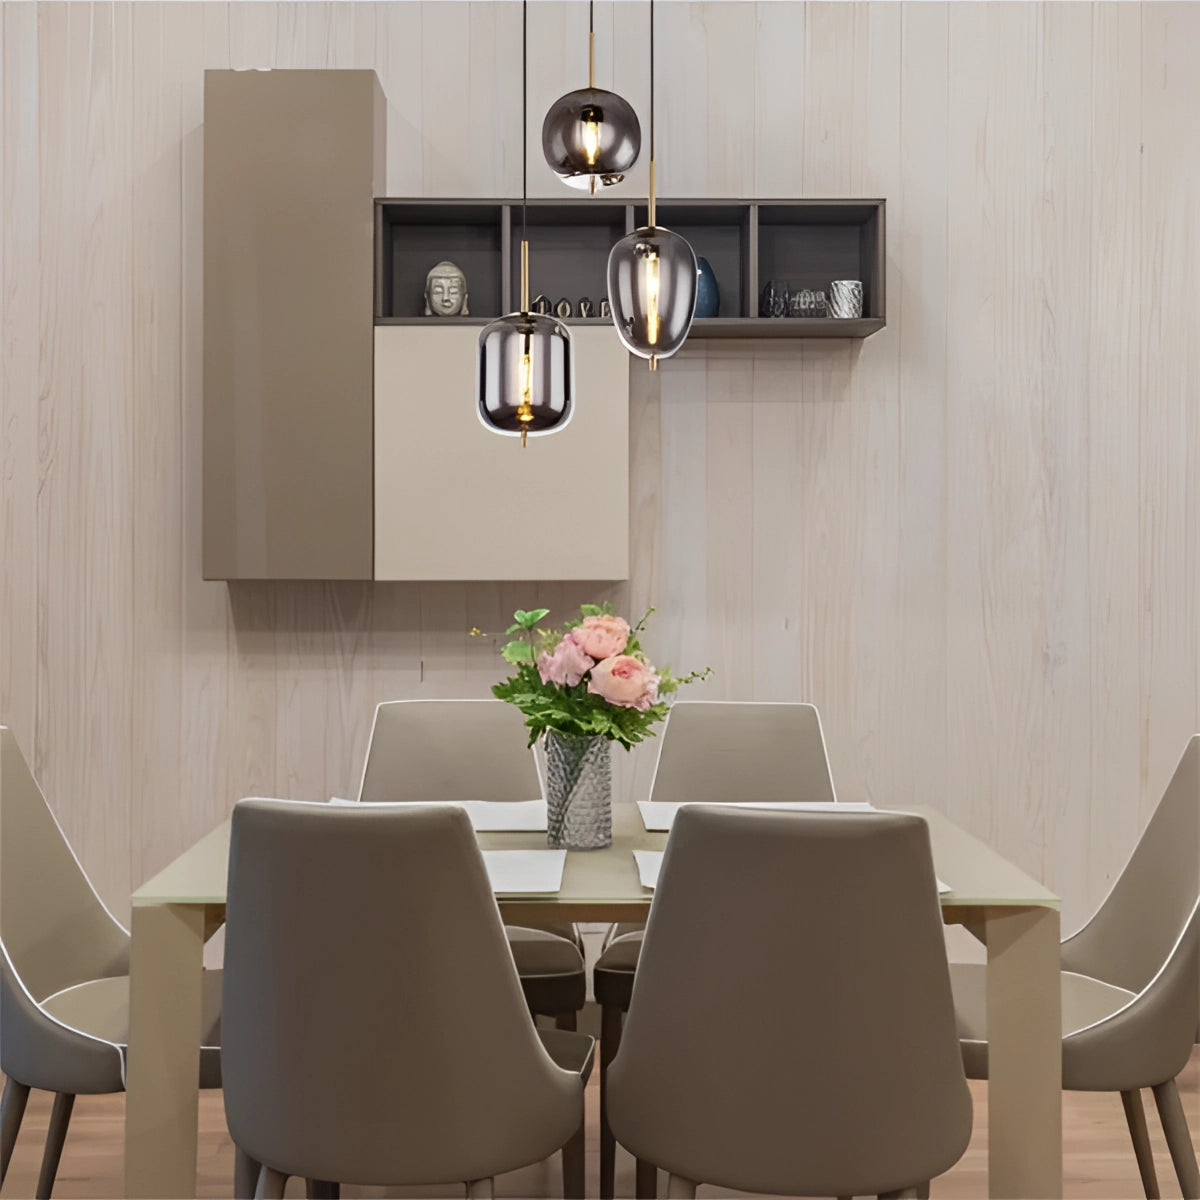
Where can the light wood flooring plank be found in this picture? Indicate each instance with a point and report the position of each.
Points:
(1097, 1156)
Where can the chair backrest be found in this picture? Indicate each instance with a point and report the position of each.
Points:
(55, 930)
(373, 1028)
(726, 750)
(1143, 918)
(448, 750)
(792, 1028)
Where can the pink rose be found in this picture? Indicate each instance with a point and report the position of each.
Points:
(625, 681)
(566, 666)
(602, 636)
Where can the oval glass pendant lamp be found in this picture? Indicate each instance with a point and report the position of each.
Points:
(591, 137)
(525, 378)
(653, 275)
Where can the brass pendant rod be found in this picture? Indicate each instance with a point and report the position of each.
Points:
(524, 276)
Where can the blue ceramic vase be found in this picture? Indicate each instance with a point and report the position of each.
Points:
(708, 295)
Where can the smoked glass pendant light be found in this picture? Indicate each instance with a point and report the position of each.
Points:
(652, 276)
(591, 137)
(526, 368)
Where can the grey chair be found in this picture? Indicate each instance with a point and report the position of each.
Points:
(424, 750)
(409, 1057)
(711, 750)
(815, 1055)
(1130, 981)
(64, 973)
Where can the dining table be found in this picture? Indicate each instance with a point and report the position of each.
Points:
(1012, 914)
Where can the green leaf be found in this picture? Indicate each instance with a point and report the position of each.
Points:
(590, 610)
(527, 620)
(514, 628)
(517, 652)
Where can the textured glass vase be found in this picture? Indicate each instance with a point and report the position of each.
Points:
(578, 791)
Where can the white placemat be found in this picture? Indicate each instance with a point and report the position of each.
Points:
(657, 815)
(493, 816)
(649, 862)
(525, 872)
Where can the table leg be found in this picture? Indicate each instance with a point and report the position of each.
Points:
(1024, 1020)
(163, 1070)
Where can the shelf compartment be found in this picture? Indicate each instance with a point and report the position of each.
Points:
(412, 236)
(568, 250)
(810, 243)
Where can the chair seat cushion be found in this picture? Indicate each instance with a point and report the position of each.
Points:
(539, 952)
(99, 1008)
(569, 1050)
(1084, 1002)
(621, 954)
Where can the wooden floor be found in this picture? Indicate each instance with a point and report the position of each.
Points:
(1098, 1159)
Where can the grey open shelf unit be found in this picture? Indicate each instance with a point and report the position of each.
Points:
(748, 243)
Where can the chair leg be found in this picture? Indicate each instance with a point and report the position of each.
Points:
(923, 1190)
(1179, 1139)
(573, 1166)
(566, 1020)
(245, 1174)
(610, 1043)
(12, 1109)
(56, 1135)
(646, 1186)
(322, 1189)
(1135, 1118)
(271, 1184)
(679, 1188)
(481, 1189)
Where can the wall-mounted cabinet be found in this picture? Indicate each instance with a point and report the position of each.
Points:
(805, 243)
(293, 161)
(333, 450)
(455, 501)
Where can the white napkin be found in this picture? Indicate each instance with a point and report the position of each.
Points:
(658, 815)
(525, 872)
(648, 864)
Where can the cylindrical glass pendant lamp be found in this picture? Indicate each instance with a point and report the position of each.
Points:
(591, 136)
(652, 281)
(526, 375)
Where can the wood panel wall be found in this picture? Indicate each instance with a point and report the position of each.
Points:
(973, 540)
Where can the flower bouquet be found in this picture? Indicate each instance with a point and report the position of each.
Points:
(582, 687)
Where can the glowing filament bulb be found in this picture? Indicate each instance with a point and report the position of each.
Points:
(525, 384)
(526, 412)
(591, 136)
(652, 294)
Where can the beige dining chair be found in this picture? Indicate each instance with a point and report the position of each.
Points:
(1130, 982)
(429, 750)
(64, 973)
(792, 1026)
(715, 750)
(409, 1058)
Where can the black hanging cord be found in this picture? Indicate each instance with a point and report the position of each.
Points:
(651, 80)
(525, 113)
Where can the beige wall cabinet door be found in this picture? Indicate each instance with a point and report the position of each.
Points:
(454, 500)
(292, 163)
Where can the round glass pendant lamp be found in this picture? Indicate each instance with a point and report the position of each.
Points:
(591, 137)
(653, 276)
(526, 375)
(525, 369)
(652, 283)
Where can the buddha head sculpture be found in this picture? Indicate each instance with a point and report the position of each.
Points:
(446, 291)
